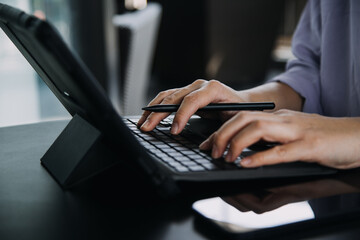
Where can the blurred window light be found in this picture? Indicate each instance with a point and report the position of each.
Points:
(24, 97)
(135, 4)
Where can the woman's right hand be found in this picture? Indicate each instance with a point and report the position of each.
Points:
(192, 97)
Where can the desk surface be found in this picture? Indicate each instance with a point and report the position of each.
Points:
(33, 206)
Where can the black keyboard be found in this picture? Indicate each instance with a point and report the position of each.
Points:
(179, 152)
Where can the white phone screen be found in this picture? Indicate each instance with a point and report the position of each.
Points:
(233, 220)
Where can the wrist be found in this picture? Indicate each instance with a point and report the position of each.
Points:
(281, 94)
(257, 94)
(246, 96)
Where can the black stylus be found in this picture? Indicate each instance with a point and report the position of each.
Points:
(259, 106)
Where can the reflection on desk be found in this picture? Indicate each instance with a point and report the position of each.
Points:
(311, 204)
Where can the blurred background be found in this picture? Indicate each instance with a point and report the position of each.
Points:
(136, 48)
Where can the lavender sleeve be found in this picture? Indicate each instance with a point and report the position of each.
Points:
(303, 73)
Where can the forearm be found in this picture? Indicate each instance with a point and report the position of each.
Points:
(281, 94)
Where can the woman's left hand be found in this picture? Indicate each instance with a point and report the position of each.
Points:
(333, 142)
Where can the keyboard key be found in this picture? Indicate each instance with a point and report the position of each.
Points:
(175, 154)
(196, 156)
(161, 155)
(174, 144)
(168, 159)
(210, 166)
(207, 157)
(175, 164)
(196, 168)
(189, 163)
(149, 138)
(181, 148)
(150, 147)
(202, 161)
(183, 158)
(158, 143)
(171, 151)
(188, 152)
(182, 169)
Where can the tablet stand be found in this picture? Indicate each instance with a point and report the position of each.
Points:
(78, 153)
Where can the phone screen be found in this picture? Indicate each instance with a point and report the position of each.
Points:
(233, 220)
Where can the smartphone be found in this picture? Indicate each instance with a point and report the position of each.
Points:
(295, 211)
(231, 220)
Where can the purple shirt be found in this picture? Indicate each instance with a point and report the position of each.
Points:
(326, 71)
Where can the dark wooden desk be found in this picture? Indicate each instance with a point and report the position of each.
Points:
(33, 206)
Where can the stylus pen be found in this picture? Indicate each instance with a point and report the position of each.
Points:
(259, 106)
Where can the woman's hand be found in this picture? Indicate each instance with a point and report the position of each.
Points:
(333, 142)
(192, 97)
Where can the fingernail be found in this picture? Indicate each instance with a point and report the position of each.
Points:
(228, 157)
(204, 145)
(246, 162)
(174, 128)
(215, 152)
(145, 125)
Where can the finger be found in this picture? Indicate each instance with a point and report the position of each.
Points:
(175, 97)
(210, 91)
(157, 100)
(268, 130)
(289, 152)
(153, 120)
(227, 131)
(190, 105)
(143, 118)
(207, 144)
